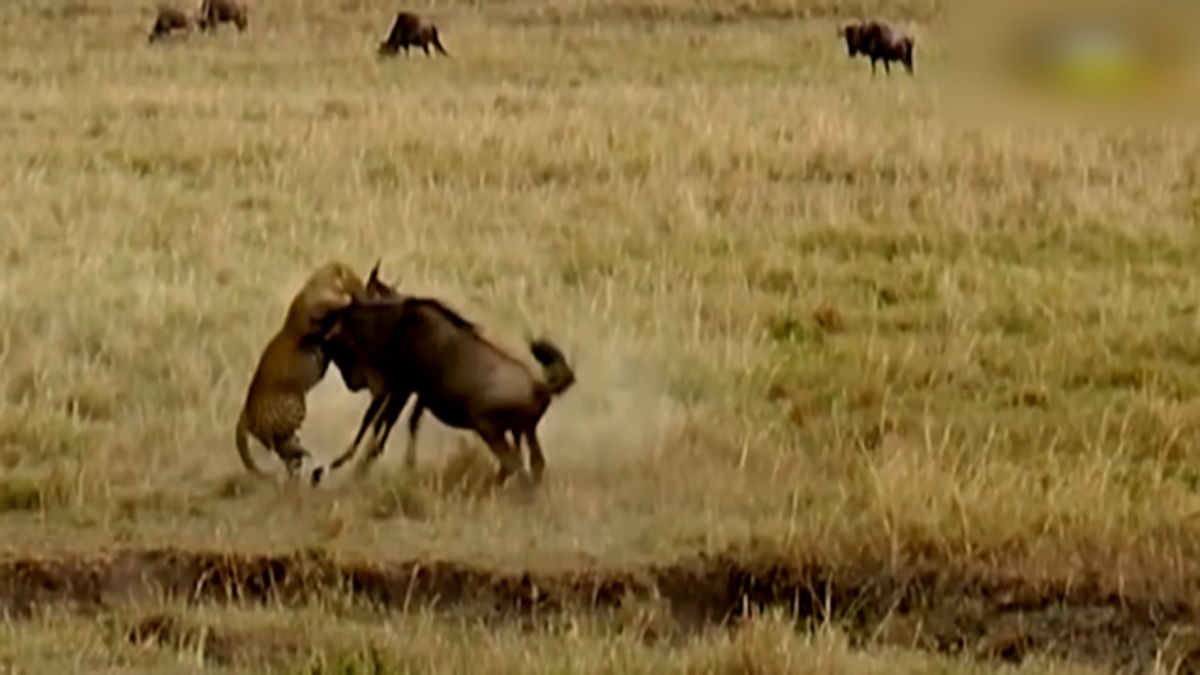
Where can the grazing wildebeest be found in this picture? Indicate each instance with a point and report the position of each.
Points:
(423, 347)
(213, 12)
(409, 30)
(167, 20)
(880, 42)
(386, 404)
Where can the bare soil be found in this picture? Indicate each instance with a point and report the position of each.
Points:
(987, 616)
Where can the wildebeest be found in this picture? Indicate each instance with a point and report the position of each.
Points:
(167, 20)
(358, 374)
(214, 12)
(880, 42)
(420, 346)
(409, 30)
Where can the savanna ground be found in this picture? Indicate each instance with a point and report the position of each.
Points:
(874, 375)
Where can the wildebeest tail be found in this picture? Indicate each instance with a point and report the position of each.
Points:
(243, 445)
(558, 373)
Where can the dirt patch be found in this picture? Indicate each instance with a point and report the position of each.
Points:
(923, 605)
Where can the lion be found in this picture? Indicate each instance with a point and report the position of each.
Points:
(292, 363)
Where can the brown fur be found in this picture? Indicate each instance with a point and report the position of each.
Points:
(292, 364)
(421, 346)
(215, 12)
(880, 42)
(168, 20)
(410, 30)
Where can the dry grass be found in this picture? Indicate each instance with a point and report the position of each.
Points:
(167, 639)
(806, 308)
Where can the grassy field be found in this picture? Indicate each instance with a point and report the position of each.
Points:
(317, 641)
(880, 327)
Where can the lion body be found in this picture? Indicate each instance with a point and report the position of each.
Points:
(292, 363)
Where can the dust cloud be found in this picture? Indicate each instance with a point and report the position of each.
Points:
(334, 414)
(615, 414)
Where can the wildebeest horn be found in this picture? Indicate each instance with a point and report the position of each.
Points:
(375, 271)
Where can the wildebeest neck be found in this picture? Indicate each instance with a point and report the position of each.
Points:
(369, 324)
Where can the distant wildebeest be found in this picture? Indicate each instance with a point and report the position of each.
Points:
(214, 12)
(169, 19)
(420, 346)
(385, 406)
(409, 30)
(880, 42)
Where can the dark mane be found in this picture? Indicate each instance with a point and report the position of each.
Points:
(451, 315)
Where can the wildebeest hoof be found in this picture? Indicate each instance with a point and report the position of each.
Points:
(525, 488)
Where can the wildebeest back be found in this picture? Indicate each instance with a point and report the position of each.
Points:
(418, 342)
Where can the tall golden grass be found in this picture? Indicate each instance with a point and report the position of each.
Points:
(808, 308)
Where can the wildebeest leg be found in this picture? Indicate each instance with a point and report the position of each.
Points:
(537, 462)
(872, 65)
(510, 462)
(887, 66)
(414, 420)
(517, 435)
(372, 415)
(425, 46)
(387, 420)
(388, 416)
